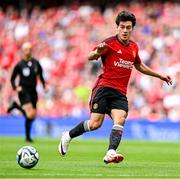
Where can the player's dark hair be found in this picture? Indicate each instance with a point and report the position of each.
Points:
(125, 16)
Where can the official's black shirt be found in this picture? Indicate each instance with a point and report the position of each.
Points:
(28, 71)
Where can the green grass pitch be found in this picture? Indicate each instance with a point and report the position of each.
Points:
(84, 160)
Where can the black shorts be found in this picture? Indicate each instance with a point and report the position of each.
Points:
(28, 97)
(104, 99)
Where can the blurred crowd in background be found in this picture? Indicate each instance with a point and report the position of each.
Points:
(63, 36)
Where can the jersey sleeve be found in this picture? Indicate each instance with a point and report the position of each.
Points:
(15, 73)
(40, 70)
(137, 59)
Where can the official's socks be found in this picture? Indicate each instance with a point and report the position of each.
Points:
(28, 126)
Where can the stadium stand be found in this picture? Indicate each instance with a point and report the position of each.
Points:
(62, 37)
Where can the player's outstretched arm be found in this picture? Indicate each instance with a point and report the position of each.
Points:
(100, 50)
(146, 70)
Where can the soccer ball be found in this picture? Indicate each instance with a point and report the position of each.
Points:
(27, 157)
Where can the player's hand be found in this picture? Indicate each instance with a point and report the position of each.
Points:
(18, 89)
(167, 79)
(101, 47)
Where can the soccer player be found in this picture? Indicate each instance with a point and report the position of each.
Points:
(118, 54)
(28, 69)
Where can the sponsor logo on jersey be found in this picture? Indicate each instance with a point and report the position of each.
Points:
(124, 63)
(26, 72)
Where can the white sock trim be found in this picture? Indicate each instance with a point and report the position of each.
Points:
(118, 127)
(86, 125)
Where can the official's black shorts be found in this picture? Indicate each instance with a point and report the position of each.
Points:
(28, 97)
(104, 99)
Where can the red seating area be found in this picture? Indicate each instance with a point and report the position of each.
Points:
(62, 38)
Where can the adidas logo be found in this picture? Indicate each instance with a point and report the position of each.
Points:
(119, 51)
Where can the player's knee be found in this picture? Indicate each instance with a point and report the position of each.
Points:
(120, 120)
(31, 114)
(95, 125)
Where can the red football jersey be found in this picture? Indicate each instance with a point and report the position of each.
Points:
(117, 64)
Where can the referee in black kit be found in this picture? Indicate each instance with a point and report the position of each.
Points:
(28, 69)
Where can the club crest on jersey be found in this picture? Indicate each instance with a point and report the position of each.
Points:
(119, 51)
(29, 64)
(95, 106)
